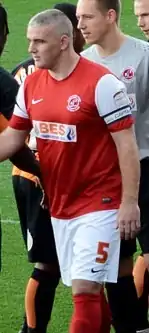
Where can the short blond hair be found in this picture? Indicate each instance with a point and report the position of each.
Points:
(54, 17)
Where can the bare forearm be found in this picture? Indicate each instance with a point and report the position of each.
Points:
(128, 156)
(7, 148)
(11, 142)
(12, 146)
(130, 170)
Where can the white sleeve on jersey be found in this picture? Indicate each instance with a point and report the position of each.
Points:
(20, 111)
(20, 107)
(111, 99)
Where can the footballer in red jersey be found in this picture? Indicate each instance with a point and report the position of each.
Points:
(35, 219)
(82, 120)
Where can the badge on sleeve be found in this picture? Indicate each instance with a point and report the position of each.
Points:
(121, 99)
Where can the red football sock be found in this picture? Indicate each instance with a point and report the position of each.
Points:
(87, 314)
(106, 314)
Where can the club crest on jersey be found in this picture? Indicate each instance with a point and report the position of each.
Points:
(73, 103)
(128, 74)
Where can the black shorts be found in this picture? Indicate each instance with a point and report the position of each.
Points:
(143, 236)
(128, 248)
(35, 221)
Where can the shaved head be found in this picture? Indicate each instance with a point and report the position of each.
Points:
(55, 18)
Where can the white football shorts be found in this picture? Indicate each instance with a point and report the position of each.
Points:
(88, 247)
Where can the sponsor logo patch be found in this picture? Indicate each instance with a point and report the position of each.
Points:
(55, 131)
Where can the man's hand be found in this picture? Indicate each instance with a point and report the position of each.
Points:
(128, 220)
(43, 199)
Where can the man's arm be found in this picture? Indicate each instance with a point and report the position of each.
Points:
(11, 141)
(114, 107)
(12, 147)
(8, 91)
(128, 156)
(23, 159)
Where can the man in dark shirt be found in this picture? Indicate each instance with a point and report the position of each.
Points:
(8, 90)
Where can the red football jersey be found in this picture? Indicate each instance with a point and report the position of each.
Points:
(72, 119)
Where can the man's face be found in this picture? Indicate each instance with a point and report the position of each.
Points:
(141, 9)
(45, 45)
(92, 22)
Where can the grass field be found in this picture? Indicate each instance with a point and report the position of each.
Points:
(16, 270)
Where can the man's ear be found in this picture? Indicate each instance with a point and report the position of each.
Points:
(65, 40)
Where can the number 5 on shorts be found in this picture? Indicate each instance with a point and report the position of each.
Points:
(102, 252)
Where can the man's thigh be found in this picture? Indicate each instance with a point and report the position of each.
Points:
(127, 248)
(21, 193)
(88, 247)
(40, 238)
(143, 235)
(41, 243)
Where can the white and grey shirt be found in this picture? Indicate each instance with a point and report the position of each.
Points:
(131, 65)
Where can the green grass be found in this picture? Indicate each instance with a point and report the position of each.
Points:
(16, 269)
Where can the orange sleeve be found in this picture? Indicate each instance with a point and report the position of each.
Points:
(3, 123)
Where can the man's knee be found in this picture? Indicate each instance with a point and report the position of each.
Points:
(52, 268)
(85, 287)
